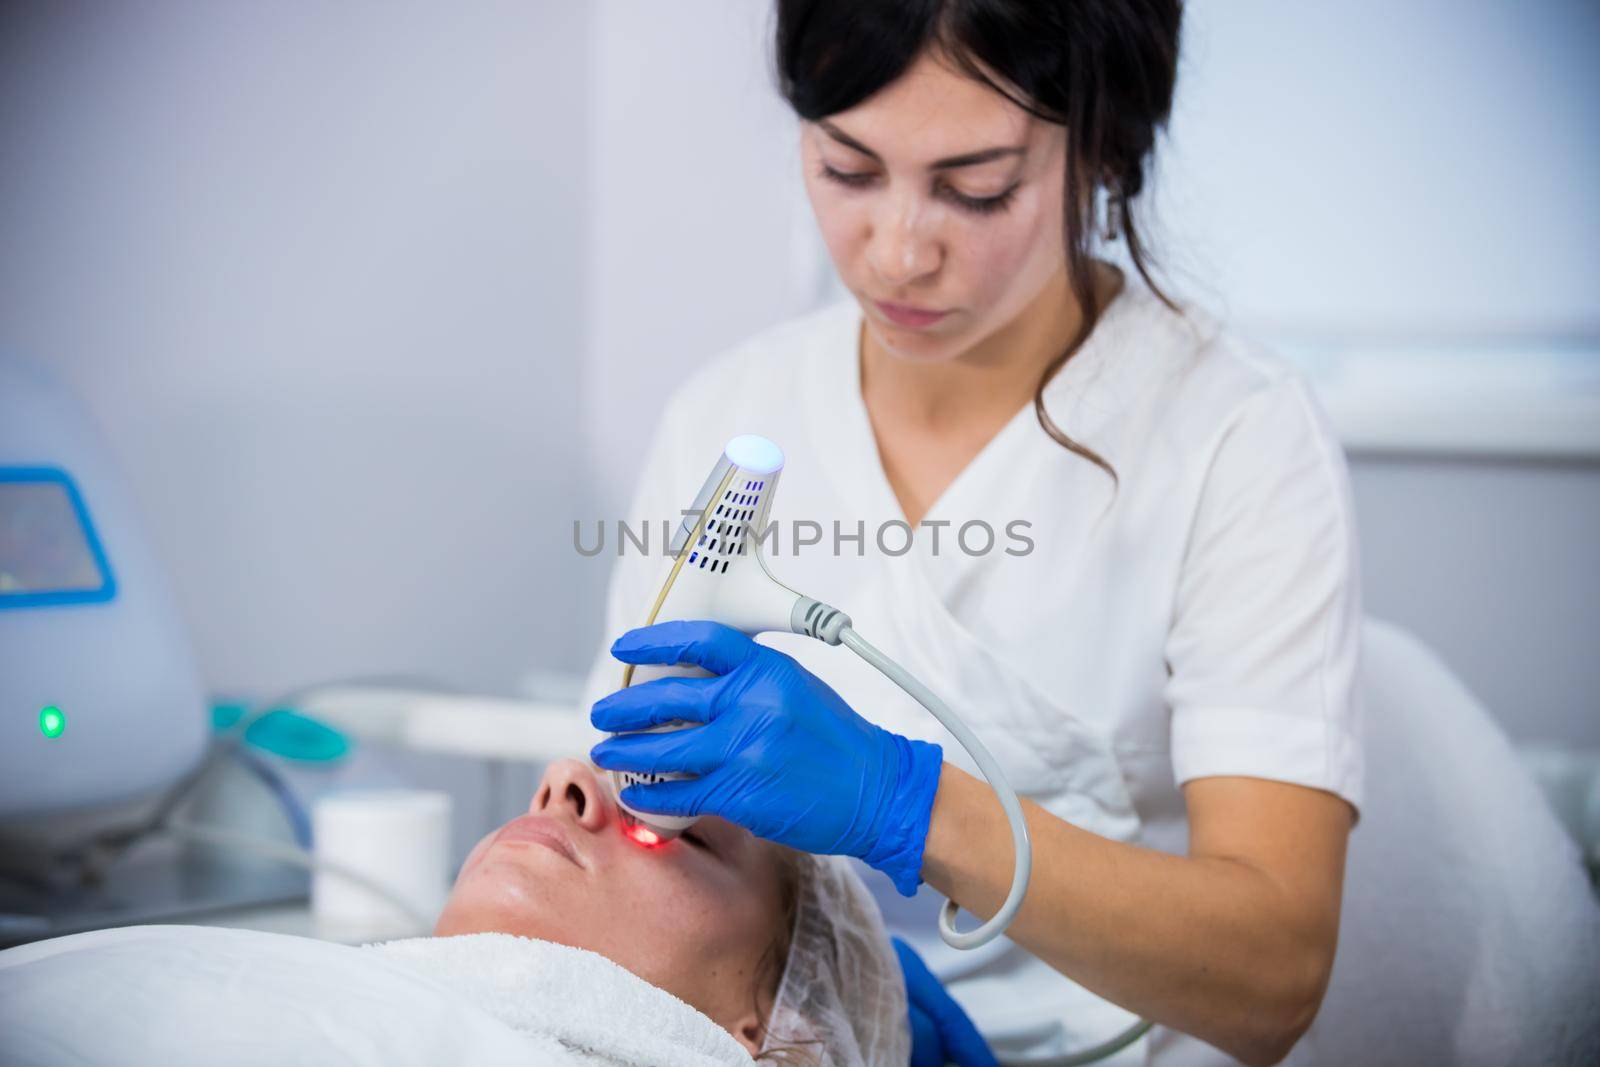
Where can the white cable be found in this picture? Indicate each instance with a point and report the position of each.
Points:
(991, 772)
(1019, 836)
(295, 856)
(1092, 1054)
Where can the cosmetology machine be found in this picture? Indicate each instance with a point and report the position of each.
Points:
(101, 703)
(717, 572)
(102, 700)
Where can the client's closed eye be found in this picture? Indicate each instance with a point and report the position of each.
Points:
(697, 841)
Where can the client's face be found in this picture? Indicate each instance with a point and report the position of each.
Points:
(693, 916)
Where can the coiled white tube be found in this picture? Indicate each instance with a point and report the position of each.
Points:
(1019, 836)
(1023, 847)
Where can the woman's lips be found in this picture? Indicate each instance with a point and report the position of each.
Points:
(909, 316)
(540, 830)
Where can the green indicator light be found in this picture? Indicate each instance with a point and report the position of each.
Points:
(51, 721)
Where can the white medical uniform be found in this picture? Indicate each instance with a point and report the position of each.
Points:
(1199, 619)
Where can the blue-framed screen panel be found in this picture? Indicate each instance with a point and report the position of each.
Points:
(49, 551)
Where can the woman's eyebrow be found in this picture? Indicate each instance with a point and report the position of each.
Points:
(968, 159)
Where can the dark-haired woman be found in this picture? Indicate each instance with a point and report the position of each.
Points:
(1133, 570)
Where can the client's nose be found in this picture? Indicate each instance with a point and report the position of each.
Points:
(569, 789)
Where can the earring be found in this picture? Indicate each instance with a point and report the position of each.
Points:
(1112, 229)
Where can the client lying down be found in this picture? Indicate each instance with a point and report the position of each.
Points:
(562, 941)
(764, 941)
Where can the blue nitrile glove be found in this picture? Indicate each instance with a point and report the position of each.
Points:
(780, 752)
(941, 1033)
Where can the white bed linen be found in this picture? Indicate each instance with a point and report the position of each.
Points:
(180, 995)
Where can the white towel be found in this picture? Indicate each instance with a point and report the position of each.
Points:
(601, 1013)
(191, 996)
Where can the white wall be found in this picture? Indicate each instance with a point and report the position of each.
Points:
(700, 231)
(1372, 175)
(1493, 562)
(1381, 169)
(317, 269)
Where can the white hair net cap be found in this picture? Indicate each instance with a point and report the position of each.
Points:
(842, 1000)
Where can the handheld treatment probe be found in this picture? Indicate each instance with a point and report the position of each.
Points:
(719, 573)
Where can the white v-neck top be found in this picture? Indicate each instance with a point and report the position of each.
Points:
(1199, 618)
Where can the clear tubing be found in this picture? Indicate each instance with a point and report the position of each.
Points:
(996, 778)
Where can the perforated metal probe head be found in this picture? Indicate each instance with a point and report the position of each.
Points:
(714, 571)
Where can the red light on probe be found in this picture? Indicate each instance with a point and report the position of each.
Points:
(643, 834)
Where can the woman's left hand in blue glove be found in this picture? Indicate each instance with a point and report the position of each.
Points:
(941, 1032)
(779, 753)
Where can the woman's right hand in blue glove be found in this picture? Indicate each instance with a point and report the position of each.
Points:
(779, 752)
(941, 1033)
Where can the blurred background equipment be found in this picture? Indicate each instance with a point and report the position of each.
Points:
(126, 794)
(101, 689)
